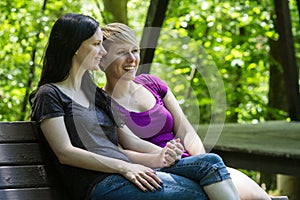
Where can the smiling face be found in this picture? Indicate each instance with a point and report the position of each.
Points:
(90, 52)
(122, 61)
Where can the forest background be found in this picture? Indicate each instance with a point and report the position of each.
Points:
(220, 58)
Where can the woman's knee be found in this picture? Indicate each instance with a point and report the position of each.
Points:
(212, 158)
(176, 185)
(216, 170)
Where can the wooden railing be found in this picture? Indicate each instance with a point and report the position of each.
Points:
(272, 147)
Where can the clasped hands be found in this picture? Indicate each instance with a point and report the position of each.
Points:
(172, 152)
(146, 178)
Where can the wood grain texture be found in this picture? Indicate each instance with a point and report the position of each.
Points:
(272, 146)
(25, 171)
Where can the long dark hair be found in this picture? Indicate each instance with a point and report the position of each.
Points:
(66, 36)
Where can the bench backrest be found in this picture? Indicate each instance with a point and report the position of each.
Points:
(25, 173)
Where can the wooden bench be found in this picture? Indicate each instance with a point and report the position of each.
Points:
(25, 173)
(272, 147)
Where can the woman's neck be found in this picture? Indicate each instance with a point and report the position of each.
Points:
(73, 82)
(119, 89)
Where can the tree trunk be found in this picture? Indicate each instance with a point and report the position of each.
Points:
(276, 96)
(288, 185)
(290, 69)
(155, 17)
(115, 11)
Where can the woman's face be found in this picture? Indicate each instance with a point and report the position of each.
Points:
(90, 52)
(122, 61)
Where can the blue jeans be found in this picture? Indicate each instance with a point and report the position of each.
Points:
(205, 169)
(182, 181)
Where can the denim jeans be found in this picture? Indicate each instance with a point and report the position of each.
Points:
(205, 169)
(182, 181)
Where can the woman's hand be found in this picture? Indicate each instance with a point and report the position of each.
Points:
(143, 177)
(172, 152)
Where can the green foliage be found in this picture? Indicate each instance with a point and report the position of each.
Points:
(232, 36)
(226, 44)
(24, 30)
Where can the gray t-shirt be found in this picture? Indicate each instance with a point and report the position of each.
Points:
(89, 128)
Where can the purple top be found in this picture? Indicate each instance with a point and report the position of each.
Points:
(156, 124)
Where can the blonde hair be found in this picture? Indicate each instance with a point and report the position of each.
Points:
(118, 32)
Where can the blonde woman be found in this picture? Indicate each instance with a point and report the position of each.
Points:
(150, 110)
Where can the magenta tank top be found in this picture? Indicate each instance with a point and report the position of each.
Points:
(156, 124)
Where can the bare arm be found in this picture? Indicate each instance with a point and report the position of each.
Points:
(129, 140)
(57, 137)
(56, 134)
(146, 153)
(182, 127)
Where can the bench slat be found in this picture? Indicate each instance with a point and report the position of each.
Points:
(25, 170)
(17, 132)
(23, 177)
(20, 154)
(31, 194)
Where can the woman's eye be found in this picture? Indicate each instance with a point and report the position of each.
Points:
(135, 51)
(122, 52)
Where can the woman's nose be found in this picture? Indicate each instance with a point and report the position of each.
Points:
(131, 57)
(102, 51)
